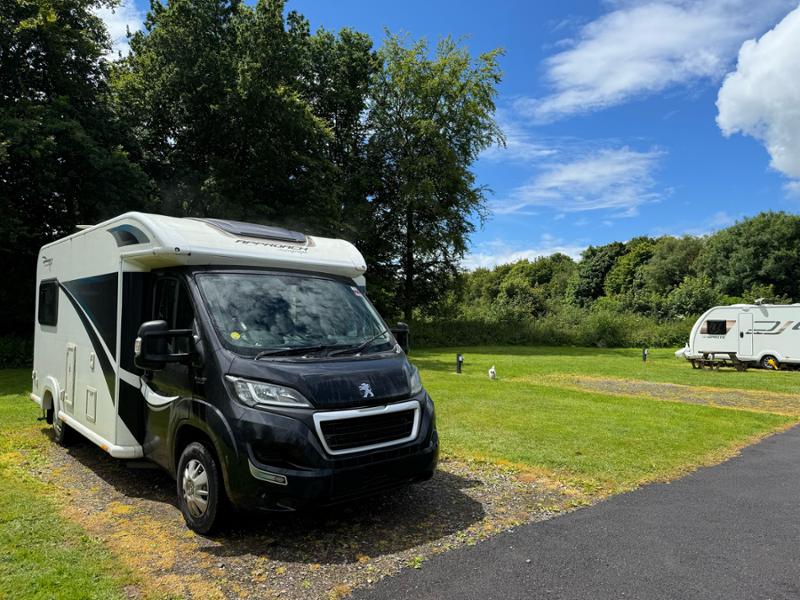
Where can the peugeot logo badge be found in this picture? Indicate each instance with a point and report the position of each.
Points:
(366, 390)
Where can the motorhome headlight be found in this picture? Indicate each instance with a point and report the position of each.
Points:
(414, 381)
(259, 393)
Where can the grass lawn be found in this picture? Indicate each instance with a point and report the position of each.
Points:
(602, 443)
(42, 555)
(535, 417)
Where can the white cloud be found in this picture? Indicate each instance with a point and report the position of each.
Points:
(619, 180)
(761, 98)
(645, 47)
(719, 220)
(792, 188)
(491, 254)
(119, 20)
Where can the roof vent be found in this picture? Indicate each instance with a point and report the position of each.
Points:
(253, 230)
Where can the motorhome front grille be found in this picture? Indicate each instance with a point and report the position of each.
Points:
(358, 432)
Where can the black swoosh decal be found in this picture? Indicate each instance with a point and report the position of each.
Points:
(108, 370)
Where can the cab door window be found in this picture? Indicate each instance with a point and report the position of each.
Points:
(173, 305)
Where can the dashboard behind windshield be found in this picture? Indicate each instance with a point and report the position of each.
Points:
(257, 313)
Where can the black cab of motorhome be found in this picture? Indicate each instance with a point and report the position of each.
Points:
(271, 389)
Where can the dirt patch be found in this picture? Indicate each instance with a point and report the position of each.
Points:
(317, 555)
(744, 399)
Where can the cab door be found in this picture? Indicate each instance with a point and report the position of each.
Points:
(745, 335)
(175, 382)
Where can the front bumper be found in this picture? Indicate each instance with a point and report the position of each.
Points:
(284, 466)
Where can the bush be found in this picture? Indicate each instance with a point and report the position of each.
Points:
(570, 326)
(15, 352)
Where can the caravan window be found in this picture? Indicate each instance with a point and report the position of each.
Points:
(715, 327)
(48, 303)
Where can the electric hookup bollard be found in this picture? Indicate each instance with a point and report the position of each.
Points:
(459, 362)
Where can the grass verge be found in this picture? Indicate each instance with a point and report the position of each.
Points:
(599, 442)
(42, 555)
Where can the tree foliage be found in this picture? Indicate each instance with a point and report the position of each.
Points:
(65, 156)
(429, 118)
(240, 111)
(758, 251)
(663, 280)
(233, 110)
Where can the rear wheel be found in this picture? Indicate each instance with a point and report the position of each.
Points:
(62, 434)
(200, 495)
(770, 362)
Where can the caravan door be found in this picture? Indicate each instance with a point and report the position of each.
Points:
(745, 335)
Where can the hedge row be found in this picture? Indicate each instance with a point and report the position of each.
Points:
(599, 329)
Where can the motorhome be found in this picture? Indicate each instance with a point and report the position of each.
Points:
(765, 335)
(244, 359)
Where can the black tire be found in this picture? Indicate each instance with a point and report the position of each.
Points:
(62, 433)
(770, 362)
(199, 478)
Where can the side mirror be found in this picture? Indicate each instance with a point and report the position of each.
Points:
(151, 350)
(403, 336)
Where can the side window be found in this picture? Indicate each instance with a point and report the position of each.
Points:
(184, 312)
(48, 303)
(715, 327)
(173, 305)
(165, 301)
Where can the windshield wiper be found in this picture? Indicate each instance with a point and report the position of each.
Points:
(359, 347)
(289, 351)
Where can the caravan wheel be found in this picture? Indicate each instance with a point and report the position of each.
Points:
(770, 362)
(199, 488)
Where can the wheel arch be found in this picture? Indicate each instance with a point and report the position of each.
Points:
(213, 431)
(51, 390)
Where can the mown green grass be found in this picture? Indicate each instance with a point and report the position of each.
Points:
(601, 442)
(555, 362)
(42, 555)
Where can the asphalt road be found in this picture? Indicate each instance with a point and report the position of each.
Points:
(729, 531)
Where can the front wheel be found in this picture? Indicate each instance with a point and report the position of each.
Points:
(199, 488)
(770, 362)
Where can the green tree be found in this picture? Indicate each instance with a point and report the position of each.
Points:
(762, 250)
(595, 264)
(242, 112)
(429, 118)
(64, 155)
(673, 259)
(624, 276)
(692, 297)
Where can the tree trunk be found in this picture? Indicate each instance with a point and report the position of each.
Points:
(408, 266)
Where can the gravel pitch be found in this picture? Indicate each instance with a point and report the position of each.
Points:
(131, 507)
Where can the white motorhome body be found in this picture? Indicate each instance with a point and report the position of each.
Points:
(83, 305)
(752, 333)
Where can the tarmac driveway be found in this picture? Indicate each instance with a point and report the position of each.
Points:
(728, 531)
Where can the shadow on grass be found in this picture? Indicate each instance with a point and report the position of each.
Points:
(394, 521)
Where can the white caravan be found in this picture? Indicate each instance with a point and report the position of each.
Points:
(767, 335)
(244, 359)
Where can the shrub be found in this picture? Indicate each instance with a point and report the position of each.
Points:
(570, 326)
(15, 352)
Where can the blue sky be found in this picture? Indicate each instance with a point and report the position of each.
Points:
(611, 111)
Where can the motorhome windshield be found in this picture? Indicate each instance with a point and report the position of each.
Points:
(268, 314)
